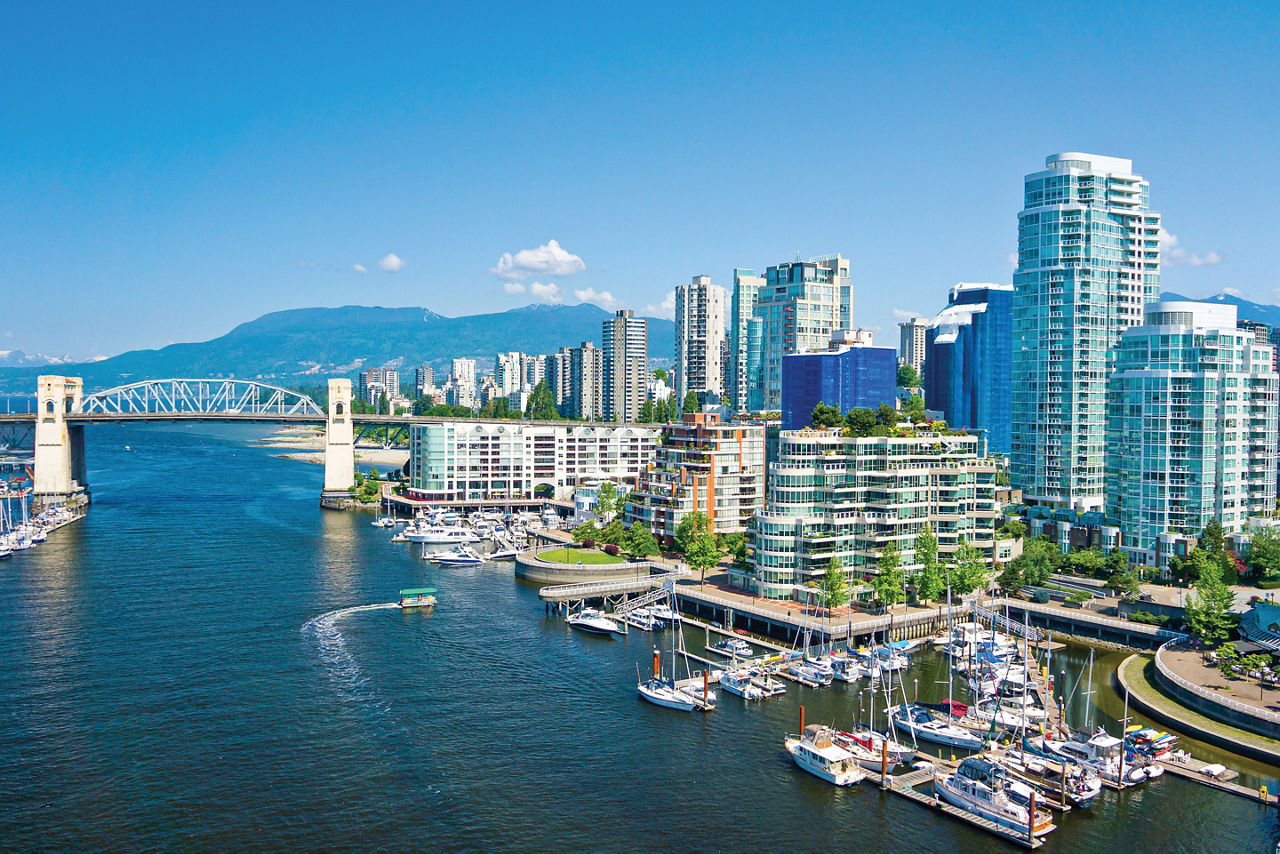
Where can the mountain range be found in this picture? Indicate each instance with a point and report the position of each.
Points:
(308, 345)
(1245, 310)
(19, 359)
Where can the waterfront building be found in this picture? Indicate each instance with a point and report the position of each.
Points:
(968, 354)
(1192, 421)
(702, 464)
(746, 285)
(850, 372)
(586, 382)
(475, 460)
(463, 376)
(799, 306)
(424, 381)
(1088, 262)
(626, 366)
(847, 497)
(701, 348)
(913, 336)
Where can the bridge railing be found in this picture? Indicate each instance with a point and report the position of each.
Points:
(204, 396)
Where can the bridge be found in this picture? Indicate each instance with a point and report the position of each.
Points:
(63, 410)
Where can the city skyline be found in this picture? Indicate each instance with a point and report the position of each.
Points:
(194, 199)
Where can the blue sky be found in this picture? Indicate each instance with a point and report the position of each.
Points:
(168, 171)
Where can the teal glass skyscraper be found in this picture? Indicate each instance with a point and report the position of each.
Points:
(1088, 262)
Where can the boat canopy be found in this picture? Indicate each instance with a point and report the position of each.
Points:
(418, 591)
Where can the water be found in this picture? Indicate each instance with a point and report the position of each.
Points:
(208, 661)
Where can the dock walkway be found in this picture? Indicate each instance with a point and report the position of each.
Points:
(905, 785)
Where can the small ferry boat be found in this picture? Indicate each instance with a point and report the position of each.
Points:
(816, 752)
(983, 789)
(418, 597)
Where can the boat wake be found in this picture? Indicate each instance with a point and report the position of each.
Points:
(351, 682)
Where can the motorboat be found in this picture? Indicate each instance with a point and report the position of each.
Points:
(734, 646)
(593, 621)
(925, 725)
(418, 597)
(642, 619)
(815, 751)
(875, 745)
(383, 522)
(741, 683)
(1080, 787)
(663, 693)
(458, 556)
(665, 613)
(699, 688)
(984, 789)
(764, 680)
(504, 553)
(1100, 752)
(439, 534)
(846, 668)
(809, 672)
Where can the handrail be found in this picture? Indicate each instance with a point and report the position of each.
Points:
(1211, 696)
(589, 589)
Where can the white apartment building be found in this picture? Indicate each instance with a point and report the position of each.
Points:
(586, 382)
(625, 366)
(463, 376)
(844, 497)
(912, 337)
(475, 460)
(702, 350)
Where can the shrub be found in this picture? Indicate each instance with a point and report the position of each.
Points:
(588, 544)
(1041, 597)
(1148, 618)
(1078, 598)
(612, 550)
(1269, 584)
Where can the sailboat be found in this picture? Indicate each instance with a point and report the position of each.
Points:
(669, 693)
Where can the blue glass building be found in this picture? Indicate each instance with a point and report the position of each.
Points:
(968, 359)
(846, 376)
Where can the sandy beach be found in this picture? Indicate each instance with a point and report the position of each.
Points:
(306, 444)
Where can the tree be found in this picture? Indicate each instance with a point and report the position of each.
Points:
(886, 416)
(888, 582)
(825, 416)
(1228, 655)
(639, 543)
(1212, 538)
(606, 501)
(1126, 585)
(835, 585)
(702, 553)
(929, 580)
(690, 402)
(647, 413)
(1089, 562)
(1208, 615)
(860, 421)
(908, 377)
(1010, 578)
(661, 374)
(613, 533)
(691, 524)
(542, 403)
(968, 572)
(736, 544)
(914, 409)
(1263, 556)
(586, 531)
(1015, 528)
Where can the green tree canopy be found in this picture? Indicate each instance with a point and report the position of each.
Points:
(968, 572)
(1264, 550)
(1125, 584)
(908, 377)
(690, 525)
(613, 533)
(647, 413)
(928, 579)
(860, 421)
(888, 582)
(702, 552)
(690, 402)
(586, 531)
(1010, 578)
(606, 501)
(542, 403)
(639, 543)
(1015, 528)
(1208, 614)
(914, 409)
(660, 373)
(835, 585)
(826, 416)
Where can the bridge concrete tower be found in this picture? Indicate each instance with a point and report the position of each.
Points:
(339, 443)
(59, 446)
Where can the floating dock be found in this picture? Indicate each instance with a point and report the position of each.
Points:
(1192, 770)
(905, 785)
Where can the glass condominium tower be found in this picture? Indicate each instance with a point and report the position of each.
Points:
(1088, 263)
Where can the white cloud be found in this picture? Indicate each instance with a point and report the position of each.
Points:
(546, 293)
(513, 287)
(359, 268)
(1012, 258)
(903, 314)
(392, 263)
(665, 309)
(548, 260)
(1172, 253)
(604, 299)
(1235, 292)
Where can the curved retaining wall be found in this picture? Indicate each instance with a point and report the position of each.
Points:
(531, 568)
(1214, 705)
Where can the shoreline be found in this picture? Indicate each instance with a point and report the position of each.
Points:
(306, 445)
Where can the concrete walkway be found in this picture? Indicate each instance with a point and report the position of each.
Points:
(1192, 666)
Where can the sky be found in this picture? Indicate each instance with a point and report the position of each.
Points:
(168, 171)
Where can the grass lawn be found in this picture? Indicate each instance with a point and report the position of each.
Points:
(578, 556)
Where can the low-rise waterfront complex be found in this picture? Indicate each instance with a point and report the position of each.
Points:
(843, 497)
(476, 460)
(703, 465)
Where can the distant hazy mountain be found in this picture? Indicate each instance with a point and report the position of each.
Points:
(19, 359)
(1245, 310)
(307, 345)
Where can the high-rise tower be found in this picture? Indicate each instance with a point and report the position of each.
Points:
(701, 348)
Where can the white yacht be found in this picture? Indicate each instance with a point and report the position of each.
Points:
(663, 693)
(817, 753)
(665, 613)
(810, 672)
(734, 646)
(459, 556)
(927, 726)
(438, 534)
(642, 619)
(383, 522)
(742, 683)
(594, 621)
(983, 789)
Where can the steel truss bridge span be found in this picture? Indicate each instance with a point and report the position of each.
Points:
(199, 397)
